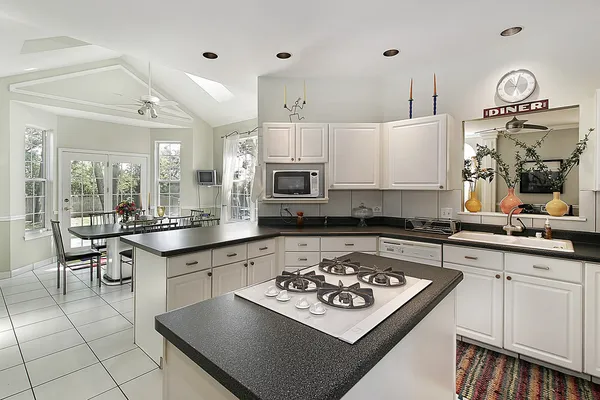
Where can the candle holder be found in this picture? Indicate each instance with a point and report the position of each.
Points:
(435, 104)
(410, 101)
(294, 109)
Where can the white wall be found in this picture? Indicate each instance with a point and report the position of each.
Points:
(220, 131)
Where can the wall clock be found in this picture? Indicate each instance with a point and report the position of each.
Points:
(516, 86)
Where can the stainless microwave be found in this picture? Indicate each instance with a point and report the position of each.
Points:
(296, 183)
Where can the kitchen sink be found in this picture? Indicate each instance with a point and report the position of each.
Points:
(515, 241)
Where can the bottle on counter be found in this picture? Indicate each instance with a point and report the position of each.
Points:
(300, 219)
(547, 229)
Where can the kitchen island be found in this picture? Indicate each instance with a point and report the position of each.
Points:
(228, 348)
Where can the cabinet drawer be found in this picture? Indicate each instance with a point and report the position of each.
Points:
(544, 267)
(349, 243)
(302, 259)
(341, 254)
(302, 244)
(473, 257)
(188, 263)
(228, 255)
(261, 248)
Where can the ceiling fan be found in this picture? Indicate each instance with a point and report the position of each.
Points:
(148, 103)
(515, 125)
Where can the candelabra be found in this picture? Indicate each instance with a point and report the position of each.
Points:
(294, 109)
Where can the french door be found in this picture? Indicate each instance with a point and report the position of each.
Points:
(95, 182)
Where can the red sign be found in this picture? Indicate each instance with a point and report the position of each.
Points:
(516, 108)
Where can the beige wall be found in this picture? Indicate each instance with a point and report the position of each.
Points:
(558, 145)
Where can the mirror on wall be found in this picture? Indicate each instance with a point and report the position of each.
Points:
(558, 131)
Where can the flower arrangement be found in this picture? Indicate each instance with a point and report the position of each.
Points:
(472, 172)
(126, 208)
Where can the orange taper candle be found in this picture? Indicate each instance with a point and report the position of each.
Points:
(410, 95)
(434, 85)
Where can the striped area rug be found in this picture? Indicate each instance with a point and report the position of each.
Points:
(486, 375)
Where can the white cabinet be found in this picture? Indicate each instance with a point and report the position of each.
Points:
(417, 153)
(295, 143)
(479, 304)
(354, 156)
(262, 269)
(543, 320)
(597, 133)
(188, 289)
(592, 320)
(228, 278)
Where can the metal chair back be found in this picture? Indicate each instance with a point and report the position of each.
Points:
(180, 222)
(103, 218)
(58, 242)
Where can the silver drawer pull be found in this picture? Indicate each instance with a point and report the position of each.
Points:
(189, 264)
(231, 254)
(263, 248)
(302, 244)
(302, 259)
(471, 258)
(544, 267)
(349, 244)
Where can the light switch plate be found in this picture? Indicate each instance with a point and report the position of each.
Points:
(446, 213)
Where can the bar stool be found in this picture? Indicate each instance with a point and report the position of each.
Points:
(64, 257)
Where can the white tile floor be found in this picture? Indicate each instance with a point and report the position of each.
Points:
(76, 346)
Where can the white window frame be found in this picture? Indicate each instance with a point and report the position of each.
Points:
(158, 181)
(48, 161)
(253, 206)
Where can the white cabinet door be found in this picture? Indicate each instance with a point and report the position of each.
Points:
(592, 320)
(543, 320)
(354, 156)
(229, 277)
(262, 269)
(480, 304)
(415, 154)
(312, 143)
(279, 143)
(188, 289)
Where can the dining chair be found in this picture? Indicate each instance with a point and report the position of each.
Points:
(77, 255)
(181, 222)
(102, 218)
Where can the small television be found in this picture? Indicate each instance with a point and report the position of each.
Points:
(206, 177)
(536, 182)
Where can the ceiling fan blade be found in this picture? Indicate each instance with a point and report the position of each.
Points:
(538, 127)
(126, 105)
(168, 103)
(489, 130)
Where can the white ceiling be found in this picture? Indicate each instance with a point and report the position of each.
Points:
(327, 38)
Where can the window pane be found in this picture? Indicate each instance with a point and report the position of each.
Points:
(28, 188)
(40, 188)
(28, 205)
(174, 187)
(169, 175)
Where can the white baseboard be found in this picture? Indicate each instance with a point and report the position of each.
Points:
(556, 367)
(5, 275)
(44, 263)
(22, 270)
(490, 347)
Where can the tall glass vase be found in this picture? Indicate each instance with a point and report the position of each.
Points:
(510, 201)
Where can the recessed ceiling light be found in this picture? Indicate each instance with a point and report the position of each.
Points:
(30, 69)
(511, 31)
(391, 52)
(283, 55)
(210, 55)
(215, 89)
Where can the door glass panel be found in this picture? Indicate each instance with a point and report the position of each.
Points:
(126, 183)
(87, 194)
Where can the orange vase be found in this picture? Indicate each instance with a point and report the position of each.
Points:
(511, 200)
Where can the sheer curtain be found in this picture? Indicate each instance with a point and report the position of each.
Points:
(230, 150)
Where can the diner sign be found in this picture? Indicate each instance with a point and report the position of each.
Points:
(516, 108)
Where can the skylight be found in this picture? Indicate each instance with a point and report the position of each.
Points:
(216, 90)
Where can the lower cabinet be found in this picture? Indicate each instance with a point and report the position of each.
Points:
(592, 320)
(261, 269)
(543, 320)
(188, 289)
(482, 319)
(228, 278)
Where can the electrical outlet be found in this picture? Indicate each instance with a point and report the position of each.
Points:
(446, 213)
(377, 210)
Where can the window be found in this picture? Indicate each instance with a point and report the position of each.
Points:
(243, 162)
(168, 157)
(36, 179)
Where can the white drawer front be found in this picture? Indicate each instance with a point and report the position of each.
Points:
(348, 243)
(261, 248)
(188, 263)
(545, 267)
(473, 257)
(302, 244)
(302, 259)
(340, 254)
(230, 254)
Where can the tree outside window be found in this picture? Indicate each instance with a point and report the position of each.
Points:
(35, 179)
(169, 177)
(241, 207)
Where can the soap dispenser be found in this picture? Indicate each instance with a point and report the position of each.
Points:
(548, 229)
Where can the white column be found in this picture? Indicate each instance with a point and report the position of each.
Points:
(488, 190)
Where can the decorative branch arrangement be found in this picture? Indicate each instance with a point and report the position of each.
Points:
(472, 172)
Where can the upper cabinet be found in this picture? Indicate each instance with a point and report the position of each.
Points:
(422, 154)
(295, 143)
(354, 156)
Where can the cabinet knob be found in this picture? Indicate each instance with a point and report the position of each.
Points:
(246, 265)
(292, 158)
(508, 278)
(299, 158)
(209, 274)
(251, 262)
(441, 186)
(497, 276)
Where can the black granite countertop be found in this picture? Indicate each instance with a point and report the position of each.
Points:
(170, 243)
(259, 354)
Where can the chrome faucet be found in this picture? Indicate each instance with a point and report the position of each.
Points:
(509, 228)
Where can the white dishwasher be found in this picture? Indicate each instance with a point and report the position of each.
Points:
(417, 252)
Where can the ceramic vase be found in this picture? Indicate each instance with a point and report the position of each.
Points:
(473, 204)
(556, 207)
(509, 201)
